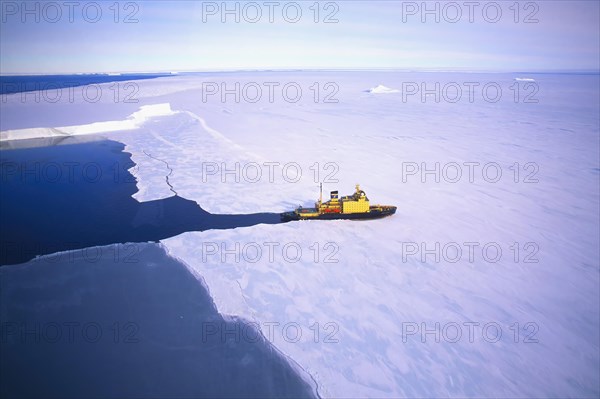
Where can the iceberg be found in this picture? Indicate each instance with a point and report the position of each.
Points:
(381, 89)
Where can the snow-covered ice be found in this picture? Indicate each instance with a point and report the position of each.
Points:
(134, 121)
(541, 211)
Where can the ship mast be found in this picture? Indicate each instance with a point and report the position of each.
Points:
(320, 193)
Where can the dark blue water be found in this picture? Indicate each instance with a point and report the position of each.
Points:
(124, 323)
(78, 195)
(25, 83)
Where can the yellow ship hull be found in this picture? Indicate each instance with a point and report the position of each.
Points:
(374, 212)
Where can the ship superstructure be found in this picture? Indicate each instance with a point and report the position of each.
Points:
(355, 206)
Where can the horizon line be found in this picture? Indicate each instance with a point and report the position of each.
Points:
(294, 69)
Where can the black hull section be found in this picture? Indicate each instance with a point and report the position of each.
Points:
(372, 214)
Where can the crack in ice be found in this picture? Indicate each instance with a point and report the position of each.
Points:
(167, 176)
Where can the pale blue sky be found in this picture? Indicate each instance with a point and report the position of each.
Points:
(172, 36)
